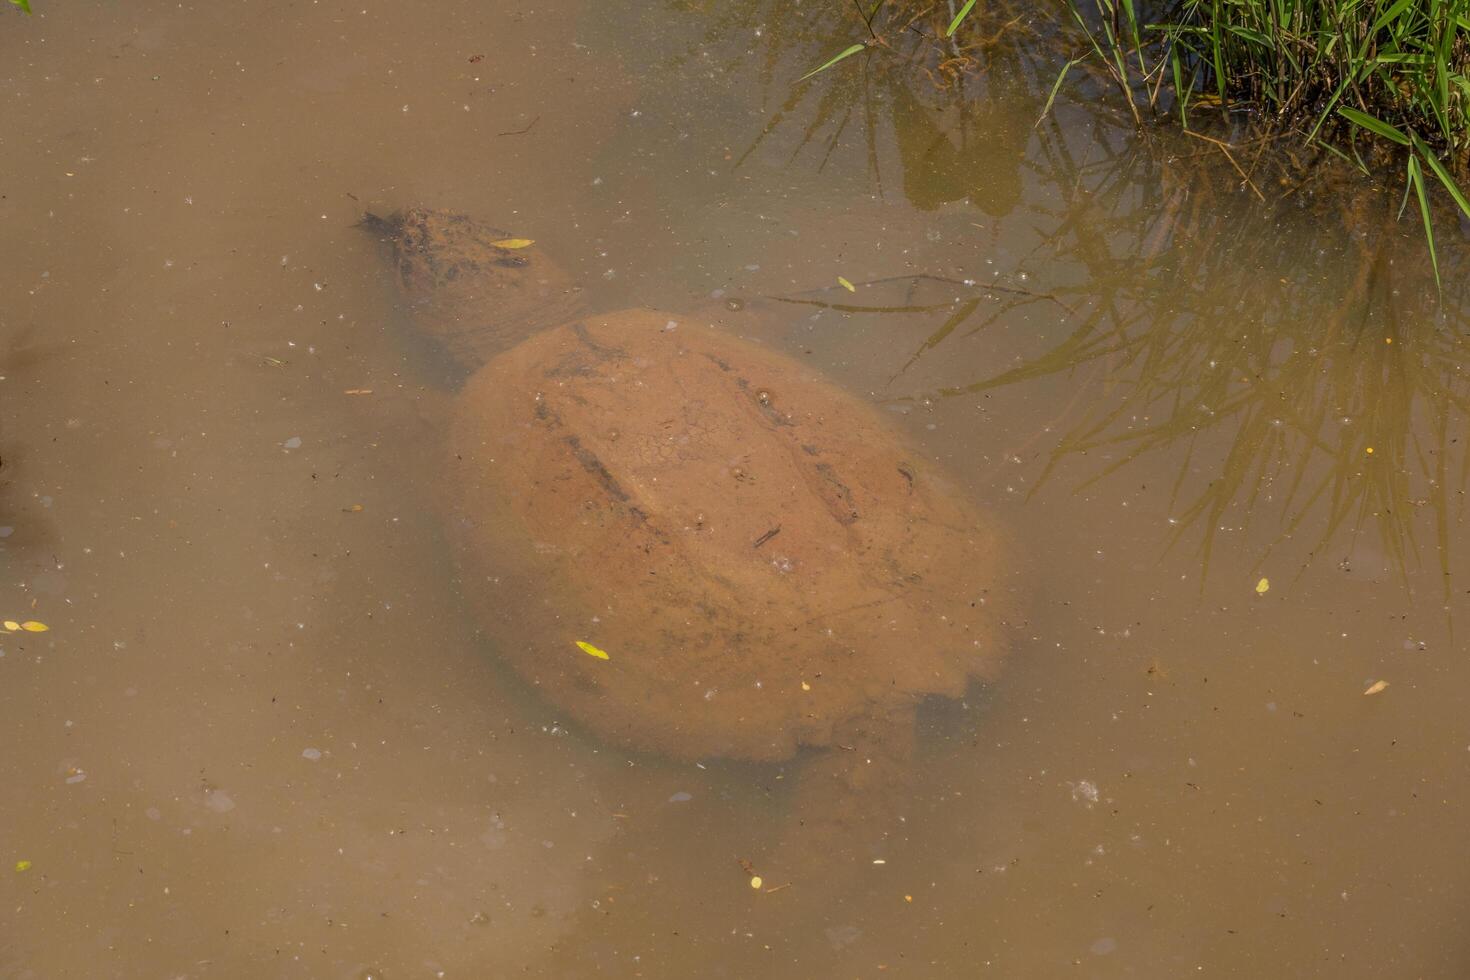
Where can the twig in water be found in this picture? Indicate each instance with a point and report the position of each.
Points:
(520, 132)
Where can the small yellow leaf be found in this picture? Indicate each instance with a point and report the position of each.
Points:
(514, 243)
(1370, 450)
(1263, 586)
(846, 285)
(908, 898)
(355, 509)
(1377, 687)
(11, 625)
(22, 865)
(592, 651)
(31, 626)
(755, 882)
(805, 686)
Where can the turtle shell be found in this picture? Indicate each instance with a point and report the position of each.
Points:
(471, 287)
(758, 556)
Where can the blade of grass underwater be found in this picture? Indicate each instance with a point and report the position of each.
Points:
(846, 53)
(954, 25)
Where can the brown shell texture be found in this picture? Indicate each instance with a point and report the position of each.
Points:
(472, 296)
(762, 558)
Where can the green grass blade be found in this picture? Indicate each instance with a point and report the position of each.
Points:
(845, 54)
(1373, 125)
(1056, 87)
(954, 25)
(24, 5)
(1416, 180)
(1443, 175)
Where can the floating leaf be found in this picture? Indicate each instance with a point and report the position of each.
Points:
(755, 882)
(846, 285)
(1377, 687)
(514, 243)
(592, 651)
(22, 865)
(31, 626)
(1263, 586)
(11, 625)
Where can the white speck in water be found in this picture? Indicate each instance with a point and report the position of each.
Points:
(292, 443)
(219, 801)
(1084, 791)
(681, 797)
(311, 754)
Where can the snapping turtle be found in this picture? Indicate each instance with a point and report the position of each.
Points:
(694, 545)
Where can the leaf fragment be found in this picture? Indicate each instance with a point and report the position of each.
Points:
(22, 866)
(846, 285)
(1377, 687)
(592, 651)
(11, 625)
(31, 626)
(1263, 586)
(756, 882)
(514, 243)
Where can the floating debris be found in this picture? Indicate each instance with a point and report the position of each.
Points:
(592, 651)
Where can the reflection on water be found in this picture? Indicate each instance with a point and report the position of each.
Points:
(265, 736)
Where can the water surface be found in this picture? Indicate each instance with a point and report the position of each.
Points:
(1222, 434)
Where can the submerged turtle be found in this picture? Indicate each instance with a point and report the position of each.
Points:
(693, 545)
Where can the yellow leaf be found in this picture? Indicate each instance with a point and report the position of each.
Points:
(1377, 687)
(805, 686)
(11, 625)
(592, 651)
(846, 285)
(1263, 586)
(514, 243)
(22, 865)
(31, 626)
(755, 882)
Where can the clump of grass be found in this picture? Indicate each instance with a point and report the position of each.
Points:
(1342, 73)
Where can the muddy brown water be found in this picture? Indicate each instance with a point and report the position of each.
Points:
(264, 736)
